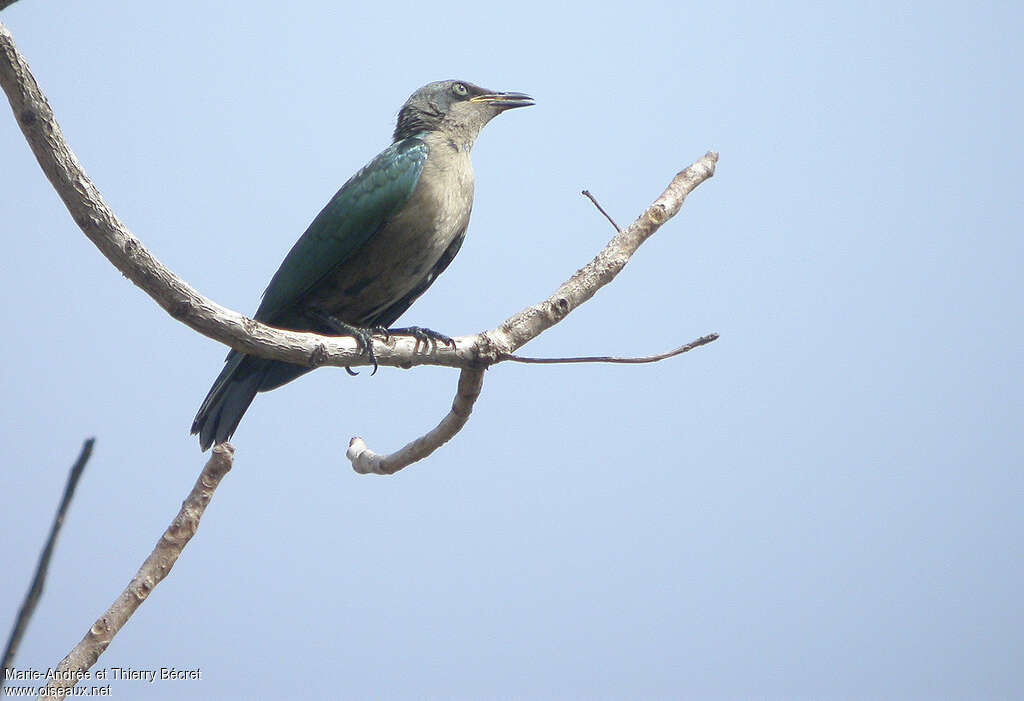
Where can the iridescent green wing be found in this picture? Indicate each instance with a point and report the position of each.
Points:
(359, 210)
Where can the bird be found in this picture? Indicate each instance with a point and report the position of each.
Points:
(374, 248)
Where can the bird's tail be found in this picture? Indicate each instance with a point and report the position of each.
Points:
(231, 394)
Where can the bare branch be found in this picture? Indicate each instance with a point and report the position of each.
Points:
(601, 209)
(36, 589)
(365, 461)
(702, 341)
(152, 572)
(532, 321)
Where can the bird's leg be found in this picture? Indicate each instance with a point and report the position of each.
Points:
(363, 336)
(428, 337)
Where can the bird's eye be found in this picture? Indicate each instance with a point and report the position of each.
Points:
(460, 90)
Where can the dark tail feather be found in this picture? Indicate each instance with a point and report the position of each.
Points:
(233, 391)
(231, 394)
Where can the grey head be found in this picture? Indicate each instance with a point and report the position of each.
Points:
(456, 107)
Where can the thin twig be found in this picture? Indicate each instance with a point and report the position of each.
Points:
(601, 210)
(702, 341)
(35, 591)
(365, 461)
(152, 572)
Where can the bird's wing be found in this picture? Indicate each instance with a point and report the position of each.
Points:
(359, 209)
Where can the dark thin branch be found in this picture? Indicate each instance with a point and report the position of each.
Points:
(601, 210)
(152, 572)
(35, 591)
(702, 341)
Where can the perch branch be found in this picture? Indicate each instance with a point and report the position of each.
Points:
(35, 591)
(152, 572)
(126, 252)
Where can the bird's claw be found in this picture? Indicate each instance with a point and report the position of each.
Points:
(362, 336)
(428, 337)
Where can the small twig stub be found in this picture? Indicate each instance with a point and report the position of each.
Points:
(601, 209)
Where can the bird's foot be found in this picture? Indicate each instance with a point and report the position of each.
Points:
(363, 337)
(428, 337)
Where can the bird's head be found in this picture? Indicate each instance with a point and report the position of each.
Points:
(456, 107)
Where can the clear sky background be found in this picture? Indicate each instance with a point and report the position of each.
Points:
(825, 503)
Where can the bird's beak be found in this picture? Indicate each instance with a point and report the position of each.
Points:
(504, 100)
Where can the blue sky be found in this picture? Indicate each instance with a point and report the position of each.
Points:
(825, 503)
